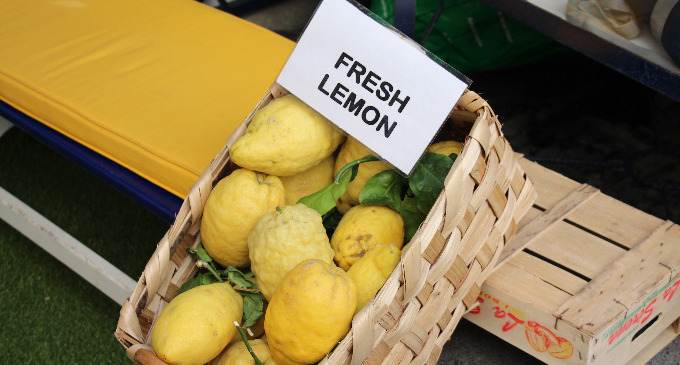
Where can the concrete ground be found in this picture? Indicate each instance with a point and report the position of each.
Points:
(574, 116)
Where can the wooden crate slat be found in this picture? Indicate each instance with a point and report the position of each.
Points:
(549, 273)
(661, 341)
(615, 220)
(576, 250)
(531, 288)
(552, 188)
(533, 230)
(603, 214)
(621, 286)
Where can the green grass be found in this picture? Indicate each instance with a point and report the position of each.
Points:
(50, 315)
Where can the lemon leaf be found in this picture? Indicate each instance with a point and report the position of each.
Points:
(384, 188)
(253, 307)
(331, 220)
(427, 179)
(411, 215)
(200, 279)
(201, 253)
(237, 277)
(325, 199)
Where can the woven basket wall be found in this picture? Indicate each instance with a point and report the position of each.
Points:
(437, 280)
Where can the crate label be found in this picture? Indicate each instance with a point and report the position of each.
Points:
(621, 332)
(512, 321)
(372, 82)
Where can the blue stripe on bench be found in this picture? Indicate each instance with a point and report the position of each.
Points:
(147, 194)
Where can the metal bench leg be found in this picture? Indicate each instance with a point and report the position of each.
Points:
(78, 257)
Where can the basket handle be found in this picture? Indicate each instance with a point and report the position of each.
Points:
(144, 355)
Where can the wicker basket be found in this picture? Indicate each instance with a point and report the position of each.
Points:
(441, 270)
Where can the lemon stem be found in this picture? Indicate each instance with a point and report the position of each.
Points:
(245, 340)
(201, 263)
(350, 165)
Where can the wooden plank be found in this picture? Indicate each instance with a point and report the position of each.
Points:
(528, 328)
(621, 286)
(549, 273)
(603, 214)
(641, 328)
(78, 257)
(550, 186)
(529, 288)
(576, 250)
(653, 348)
(615, 220)
(542, 224)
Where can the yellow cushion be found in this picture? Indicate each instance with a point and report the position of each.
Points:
(155, 85)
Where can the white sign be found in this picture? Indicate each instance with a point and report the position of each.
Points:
(371, 82)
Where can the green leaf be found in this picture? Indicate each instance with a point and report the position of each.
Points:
(427, 179)
(200, 279)
(384, 188)
(325, 199)
(238, 278)
(331, 221)
(411, 215)
(200, 253)
(253, 307)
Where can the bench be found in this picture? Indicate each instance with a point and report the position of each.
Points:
(142, 94)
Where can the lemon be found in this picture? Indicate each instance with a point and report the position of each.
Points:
(361, 228)
(233, 207)
(446, 147)
(372, 270)
(282, 239)
(284, 138)
(350, 151)
(197, 324)
(309, 313)
(237, 354)
(309, 181)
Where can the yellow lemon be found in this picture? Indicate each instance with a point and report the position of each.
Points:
(282, 239)
(309, 313)
(446, 147)
(237, 354)
(309, 181)
(361, 228)
(372, 270)
(284, 138)
(350, 151)
(197, 324)
(233, 207)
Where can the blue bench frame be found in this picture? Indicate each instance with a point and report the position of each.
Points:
(64, 247)
(149, 195)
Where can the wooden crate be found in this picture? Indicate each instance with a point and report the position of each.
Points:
(586, 280)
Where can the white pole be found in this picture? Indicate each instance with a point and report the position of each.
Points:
(78, 257)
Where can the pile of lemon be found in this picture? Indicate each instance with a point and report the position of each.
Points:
(313, 284)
